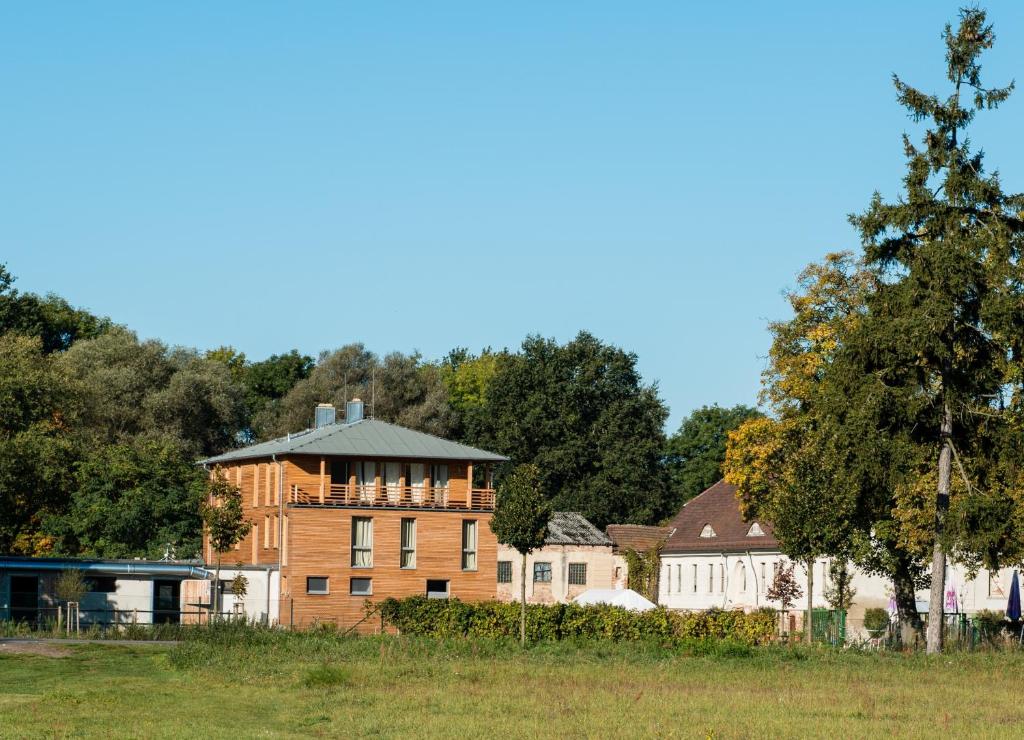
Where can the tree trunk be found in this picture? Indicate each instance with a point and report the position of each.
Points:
(911, 627)
(809, 626)
(937, 597)
(522, 605)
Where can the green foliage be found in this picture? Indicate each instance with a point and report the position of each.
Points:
(839, 594)
(132, 500)
(70, 585)
(695, 453)
(784, 588)
(52, 319)
(582, 415)
(418, 615)
(521, 512)
(876, 621)
(222, 514)
(642, 571)
(992, 625)
(239, 585)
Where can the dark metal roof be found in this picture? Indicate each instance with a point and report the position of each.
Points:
(570, 528)
(637, 537)
(719, 509)
(365, 438)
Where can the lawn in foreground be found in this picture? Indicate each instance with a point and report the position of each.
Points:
(300, 685)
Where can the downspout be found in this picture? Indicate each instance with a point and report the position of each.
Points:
(757, 584)
(280, 528)
(725, 589)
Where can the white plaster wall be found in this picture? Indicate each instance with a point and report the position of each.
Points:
(598, 558)
(255, 602)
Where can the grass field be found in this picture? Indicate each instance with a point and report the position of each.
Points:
(305, 685)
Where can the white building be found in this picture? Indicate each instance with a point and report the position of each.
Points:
(713, 559)
(576, 557)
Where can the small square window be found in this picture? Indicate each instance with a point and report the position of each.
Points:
(360, 586)
(577, 574)
(542, 572)
(437, 589)
(317, 585)
(504, 571)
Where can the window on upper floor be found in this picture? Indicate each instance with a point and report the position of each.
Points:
(339, 472)
(755, 530)
(577, 574)
(542, 572)
(439, 476)
(408, 545)
(708, 531)
(362, 542)
(469, 544)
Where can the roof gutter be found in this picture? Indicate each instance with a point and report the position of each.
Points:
(141, 568)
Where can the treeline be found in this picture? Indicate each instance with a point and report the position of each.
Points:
(100, 431)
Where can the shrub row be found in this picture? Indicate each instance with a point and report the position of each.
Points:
(418, 615)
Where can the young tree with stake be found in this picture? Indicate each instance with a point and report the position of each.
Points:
(225, 524)
(520, 520)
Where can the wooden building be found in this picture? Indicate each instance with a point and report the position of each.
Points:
(354, 512)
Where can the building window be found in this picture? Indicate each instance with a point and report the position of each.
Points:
(339, 472)
(711, 577)
(469, 544)
(679, 579)
(362, 542)
(743, 578)
(317, 585)
(266, 532)
(437, 589)
(439, 476)
(408, 543)
(708, 531)
(504, 571)
(668, 578)
(721, 578)
(695, 578)
(764, 577)
(755, 530)
(542, 572)
(101, 584)
(577, 574)
(360, 586)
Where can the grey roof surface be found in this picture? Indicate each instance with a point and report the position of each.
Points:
(570, 528)
(366, 438)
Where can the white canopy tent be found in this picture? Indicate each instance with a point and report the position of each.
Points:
(624, 597)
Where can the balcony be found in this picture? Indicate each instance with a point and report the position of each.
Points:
(395, 497)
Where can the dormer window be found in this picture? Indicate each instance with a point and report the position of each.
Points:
(708, 531)
(755, 530)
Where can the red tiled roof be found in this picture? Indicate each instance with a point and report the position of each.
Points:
(636, 536)
(718, 508)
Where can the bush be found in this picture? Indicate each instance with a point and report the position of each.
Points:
(991, 625)
(876, 621)
(418, 615)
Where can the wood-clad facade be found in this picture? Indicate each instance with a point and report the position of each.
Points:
(345, 530)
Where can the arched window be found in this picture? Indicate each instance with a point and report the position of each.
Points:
(755, 530)
(708, 531)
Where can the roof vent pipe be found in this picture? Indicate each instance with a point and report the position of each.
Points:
(353, 411)
(325, 415)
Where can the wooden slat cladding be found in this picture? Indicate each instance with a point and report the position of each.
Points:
(319, 544)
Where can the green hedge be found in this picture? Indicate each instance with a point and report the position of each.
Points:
(418, 615)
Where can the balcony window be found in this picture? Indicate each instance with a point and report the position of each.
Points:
(408, 543)
(362, 542)
(439, 476)
(339, 472)
(469, 544)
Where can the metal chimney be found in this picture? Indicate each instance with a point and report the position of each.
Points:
(325, 415)
(353, 411)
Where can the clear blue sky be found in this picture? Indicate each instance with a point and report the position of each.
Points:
(430, 175)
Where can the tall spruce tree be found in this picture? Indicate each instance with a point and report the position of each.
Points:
(949, 310)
